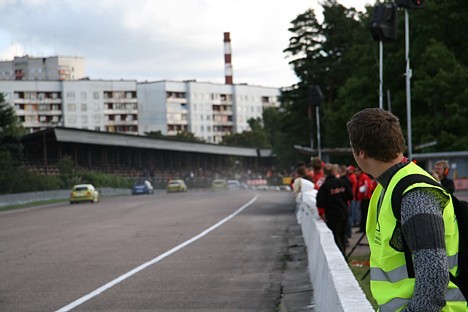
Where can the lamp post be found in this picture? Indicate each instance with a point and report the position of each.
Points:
(409, 4)
(315, 99)
(408, 87)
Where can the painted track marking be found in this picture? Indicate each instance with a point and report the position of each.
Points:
(143, 266)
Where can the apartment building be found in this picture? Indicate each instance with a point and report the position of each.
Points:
(53, 91)
(208, 110)
(101, 105)
(43, 68)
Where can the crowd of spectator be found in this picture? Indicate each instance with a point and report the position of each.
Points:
(342, 195)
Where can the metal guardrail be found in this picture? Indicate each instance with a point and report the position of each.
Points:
(25, 198)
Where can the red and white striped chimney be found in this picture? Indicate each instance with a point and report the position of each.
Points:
(227, 59)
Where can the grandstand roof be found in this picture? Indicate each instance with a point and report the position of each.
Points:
(81, 136)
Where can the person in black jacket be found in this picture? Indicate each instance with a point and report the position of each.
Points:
(441, 169)
(333, 196)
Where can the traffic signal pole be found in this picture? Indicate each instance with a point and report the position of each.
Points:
(381, 74)
(408, 86)
(383, 29)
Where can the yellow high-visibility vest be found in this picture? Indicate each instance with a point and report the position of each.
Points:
(390, 285)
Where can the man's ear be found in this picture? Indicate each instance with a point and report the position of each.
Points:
(362, 155)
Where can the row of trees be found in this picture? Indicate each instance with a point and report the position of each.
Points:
(338, 54)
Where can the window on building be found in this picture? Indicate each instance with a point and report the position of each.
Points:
(71, 107)
(83, 95)
(96, 95)
(130, 95)
(84, 107)
(70, 95)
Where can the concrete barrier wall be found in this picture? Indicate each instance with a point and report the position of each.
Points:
(335, 287)
(24, 198)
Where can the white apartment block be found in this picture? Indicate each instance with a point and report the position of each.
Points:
(53, 91)
(208, 110)
(101, 105)
(43, 68)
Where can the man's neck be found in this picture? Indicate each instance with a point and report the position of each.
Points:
(379, 167)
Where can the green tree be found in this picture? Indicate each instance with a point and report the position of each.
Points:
(340, 56)
(441, 97)
(181, 136)
(319, 56)
(155, 134)
(256, 137)
(10, 146)
(188, 136)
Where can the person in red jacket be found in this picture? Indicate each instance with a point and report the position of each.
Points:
(364, 191)
(318, 177)
(355, 215)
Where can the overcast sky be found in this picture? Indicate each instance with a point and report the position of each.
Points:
(159, 39)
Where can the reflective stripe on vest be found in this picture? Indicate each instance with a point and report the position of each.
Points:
(390, 285)
(398, 274)
(453, 294)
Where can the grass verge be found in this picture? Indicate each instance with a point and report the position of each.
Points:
(34, 204)
(359, 265)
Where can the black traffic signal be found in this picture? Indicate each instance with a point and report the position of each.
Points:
(411, 4)
(384, 22)
(315, 95)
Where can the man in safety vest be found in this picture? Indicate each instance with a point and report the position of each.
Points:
(428, 224)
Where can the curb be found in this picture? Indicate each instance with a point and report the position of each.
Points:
(296, 288)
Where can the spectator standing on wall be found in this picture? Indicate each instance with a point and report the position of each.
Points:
(343, 176)
(441, 169)
(301, 172)
(363, 196)
(355, 215)
(333, 197)
(318, 177)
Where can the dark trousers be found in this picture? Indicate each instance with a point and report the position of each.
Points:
(364, 208)
(338, 228)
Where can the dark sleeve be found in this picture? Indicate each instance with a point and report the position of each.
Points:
(423, 230)
(322, 197)
(349, 191)
(449, 186)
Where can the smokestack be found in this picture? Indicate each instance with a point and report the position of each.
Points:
(227, 59)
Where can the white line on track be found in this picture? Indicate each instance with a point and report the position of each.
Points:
(143, 266)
